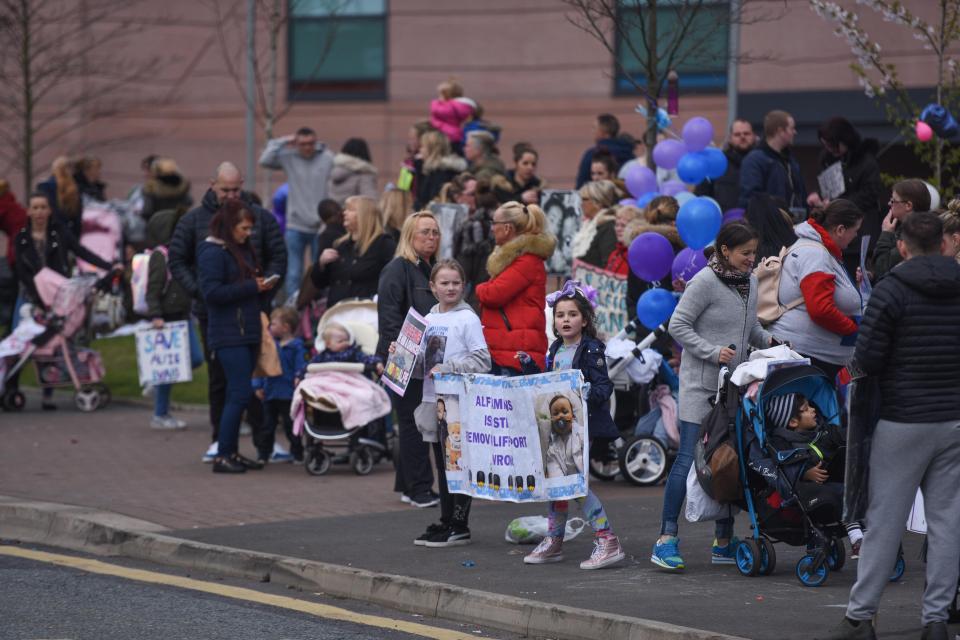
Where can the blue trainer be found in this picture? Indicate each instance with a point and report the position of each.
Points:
(726, 554)
(667, 554)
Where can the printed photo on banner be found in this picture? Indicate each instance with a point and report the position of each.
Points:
(450, 217)
(163, 355)
(519, 439)
(564, 213)
(611, 309)
(400, 364)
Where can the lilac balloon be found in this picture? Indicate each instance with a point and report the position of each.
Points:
(687, 263)
(697, 133)
(628, 202)
(640, 180)
(667, 153)
(650, 256)
(732, 214)
(672, 187)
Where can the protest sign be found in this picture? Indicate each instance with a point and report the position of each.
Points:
(830, 181)
(450, 217)
(399, 368)
(611, 309)
(514, 439)
(163, 355)
(564, 213)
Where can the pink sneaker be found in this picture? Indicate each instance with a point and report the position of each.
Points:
(606, 551)
(549, 550)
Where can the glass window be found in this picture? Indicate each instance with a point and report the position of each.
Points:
(337, 49)
(701, 58)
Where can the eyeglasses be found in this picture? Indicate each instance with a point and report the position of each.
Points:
(429, 233)
(893, 201)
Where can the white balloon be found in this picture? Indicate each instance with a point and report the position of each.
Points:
(683, 196)
(934, 197)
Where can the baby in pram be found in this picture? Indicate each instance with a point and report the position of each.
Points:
(810, 454)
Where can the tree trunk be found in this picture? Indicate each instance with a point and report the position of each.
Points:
(653, 82)
(25, 70)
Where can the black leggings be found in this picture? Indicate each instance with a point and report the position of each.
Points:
(454, 507)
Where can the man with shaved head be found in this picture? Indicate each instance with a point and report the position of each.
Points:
(191, 229)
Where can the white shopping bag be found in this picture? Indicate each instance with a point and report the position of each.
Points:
(702, 507)
(917, 520)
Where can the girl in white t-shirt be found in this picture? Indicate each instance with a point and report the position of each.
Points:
(453, 343)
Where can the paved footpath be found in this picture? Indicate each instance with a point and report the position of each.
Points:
(111, 460)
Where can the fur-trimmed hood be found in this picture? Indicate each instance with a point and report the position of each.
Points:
(668, 231)
(344, 165)
(451, 162)
(540, 245)
(167, 186)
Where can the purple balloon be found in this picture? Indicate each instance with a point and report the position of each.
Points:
(732, 214)
(687, 263)
(640, 180)
(697, 133)
(650, 256)
(667, 153)
(672, 187)
(628, 202)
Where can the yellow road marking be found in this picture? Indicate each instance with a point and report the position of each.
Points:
(237, 593)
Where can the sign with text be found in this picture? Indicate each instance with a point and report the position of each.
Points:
(450, 217)
(563, 209)
(163, 355)
(514, 439)
(406, 348)
(611, 309)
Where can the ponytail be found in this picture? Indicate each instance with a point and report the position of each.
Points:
(525, 218)
(838, 212)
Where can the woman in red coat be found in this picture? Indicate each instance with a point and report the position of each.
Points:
(512, 302)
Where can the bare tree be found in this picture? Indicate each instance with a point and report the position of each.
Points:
(881, 81)
(634, 25)
(58, 69)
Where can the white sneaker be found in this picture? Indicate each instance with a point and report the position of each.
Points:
(147, 390)
(211, 453)
(167, 422)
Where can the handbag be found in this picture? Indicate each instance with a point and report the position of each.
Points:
(268, 362)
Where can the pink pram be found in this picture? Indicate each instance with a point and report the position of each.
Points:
(58, 362)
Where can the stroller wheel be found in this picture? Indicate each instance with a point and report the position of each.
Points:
(748, 557)
(316, 461)
(105, 395)
(87, 399)
(812, 573)
(14, 401)
(643, 461)
(768, 557)
(899, 568)
(606, 466)
(837, 556)
(362, 461)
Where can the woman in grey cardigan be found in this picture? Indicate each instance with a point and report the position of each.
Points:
(718, 310)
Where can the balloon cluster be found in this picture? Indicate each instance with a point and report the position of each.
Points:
(936, 119)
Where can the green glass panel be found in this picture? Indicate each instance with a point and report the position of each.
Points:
(337, 49)
(324, 8)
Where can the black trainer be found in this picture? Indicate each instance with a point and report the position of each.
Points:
(425, 499)
(253, 465)
(431, 531)
(228, 465)
(449, 537)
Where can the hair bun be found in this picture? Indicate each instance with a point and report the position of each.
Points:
(954, 206)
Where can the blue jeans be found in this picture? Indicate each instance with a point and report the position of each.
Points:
(297, 243)
(161, 392)
(676, 489)
(238, 363)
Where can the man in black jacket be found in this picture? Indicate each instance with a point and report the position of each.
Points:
(910, 340)
(726, 189)
(191, 230)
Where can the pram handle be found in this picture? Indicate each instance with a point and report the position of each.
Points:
(722, 378)
(621, 363)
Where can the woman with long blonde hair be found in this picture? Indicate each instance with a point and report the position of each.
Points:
(395, 206)
(434, 166)
(64, 195)
(351, 268)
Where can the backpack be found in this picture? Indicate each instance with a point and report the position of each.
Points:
(138, 279)
(715, 456)
(769, 309)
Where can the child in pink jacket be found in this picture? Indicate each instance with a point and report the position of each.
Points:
(448, 114)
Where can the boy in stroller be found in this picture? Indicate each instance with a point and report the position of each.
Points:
(809, 452)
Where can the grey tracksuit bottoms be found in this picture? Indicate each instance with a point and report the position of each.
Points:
(904, 457)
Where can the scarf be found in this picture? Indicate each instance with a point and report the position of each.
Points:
(738, 280)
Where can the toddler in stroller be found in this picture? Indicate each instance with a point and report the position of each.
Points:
(336, 404)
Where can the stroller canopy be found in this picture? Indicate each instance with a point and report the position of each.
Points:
(803, 379)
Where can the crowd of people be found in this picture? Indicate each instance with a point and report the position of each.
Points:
(333, 236)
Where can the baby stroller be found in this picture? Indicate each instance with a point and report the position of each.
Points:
(326, 441)
(786, 518)
(58, 361)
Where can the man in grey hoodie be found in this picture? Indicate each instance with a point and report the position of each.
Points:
(308, 164)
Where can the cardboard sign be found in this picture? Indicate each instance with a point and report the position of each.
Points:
(831, 182)
(163, 355)
(611, 310)
(564, 217)
(450, 217)
(514, 439)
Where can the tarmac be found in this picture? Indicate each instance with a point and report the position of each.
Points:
(108, 484)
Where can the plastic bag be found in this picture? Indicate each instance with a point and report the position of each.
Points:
(702, 507)
(533, 529)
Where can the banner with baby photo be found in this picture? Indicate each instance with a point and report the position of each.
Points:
(514, 439)
(611, 307)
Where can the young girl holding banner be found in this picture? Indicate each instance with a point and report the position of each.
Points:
(577, 347)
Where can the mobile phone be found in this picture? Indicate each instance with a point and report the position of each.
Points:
(272, 280)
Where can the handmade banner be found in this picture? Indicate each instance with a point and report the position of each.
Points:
(163, 355)
(514, 439)
(564, 213)
(611, 309)
(450, 217)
